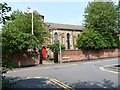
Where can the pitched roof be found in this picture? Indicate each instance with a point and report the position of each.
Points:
(63, 26)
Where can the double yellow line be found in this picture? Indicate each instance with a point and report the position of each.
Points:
(64, 86)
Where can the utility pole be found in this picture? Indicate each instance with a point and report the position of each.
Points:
(119, 19)
(60, 50)
(32, 22)
(29, 10)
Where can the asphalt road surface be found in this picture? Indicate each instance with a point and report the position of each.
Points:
(82, 74)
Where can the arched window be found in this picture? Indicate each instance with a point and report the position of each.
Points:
(55, 37)
(68, 40)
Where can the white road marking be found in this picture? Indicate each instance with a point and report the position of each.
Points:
(103, 68)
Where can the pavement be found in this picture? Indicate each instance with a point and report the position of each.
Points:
(48, 62)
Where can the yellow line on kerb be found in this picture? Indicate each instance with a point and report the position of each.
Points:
(103, 68)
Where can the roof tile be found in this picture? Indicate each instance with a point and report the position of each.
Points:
(63, 26)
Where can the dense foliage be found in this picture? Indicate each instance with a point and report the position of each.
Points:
(90, 39)
(118, 17)
(22, 22)
(15, 41)
(4, 63)
(56, 47)
(4, 8)
(101, 20)
(101, 16)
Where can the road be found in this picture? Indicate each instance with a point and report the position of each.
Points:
(83, 74)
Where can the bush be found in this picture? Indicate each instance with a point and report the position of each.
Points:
(6, 65)
(56, 47)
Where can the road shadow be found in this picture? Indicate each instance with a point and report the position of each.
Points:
(30, 83)
(94, 85)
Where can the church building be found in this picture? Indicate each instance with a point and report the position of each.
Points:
(64, 33)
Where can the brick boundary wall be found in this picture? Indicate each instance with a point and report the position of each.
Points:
(25, 58)
(30, 58)
(76, 55)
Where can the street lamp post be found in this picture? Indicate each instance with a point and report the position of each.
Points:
(32, 22)
(60, 54)
(29, 10)
(60, 51)
(118, 19)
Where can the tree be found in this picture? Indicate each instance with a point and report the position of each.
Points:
(4, 8)
(90, 39)
(118, 10)
(15, 41)
(56, 47)
(102, 17)
(3, 19)
(22, 22)
(5, 64)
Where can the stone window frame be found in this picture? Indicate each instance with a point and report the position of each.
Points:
(68, 41)
(56, 37)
